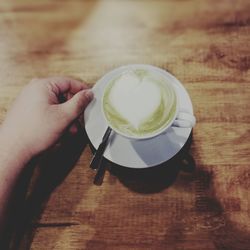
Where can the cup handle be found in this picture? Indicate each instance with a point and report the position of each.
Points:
(184, 120)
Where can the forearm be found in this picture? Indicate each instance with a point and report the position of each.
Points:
(35, 122)
(12, 161)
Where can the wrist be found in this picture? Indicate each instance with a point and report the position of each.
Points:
(12, 150)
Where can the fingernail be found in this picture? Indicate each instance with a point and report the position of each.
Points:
(89, 94)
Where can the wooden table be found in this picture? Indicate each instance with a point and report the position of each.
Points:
(203, 43)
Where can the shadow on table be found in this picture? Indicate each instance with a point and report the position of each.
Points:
(155, 179)
(52, 169)
(209, 218)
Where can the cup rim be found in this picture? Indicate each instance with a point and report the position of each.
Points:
(147, 67)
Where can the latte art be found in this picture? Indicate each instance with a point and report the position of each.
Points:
(139, 103)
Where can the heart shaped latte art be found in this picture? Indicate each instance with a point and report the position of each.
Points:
(134, 99)
(137, 103)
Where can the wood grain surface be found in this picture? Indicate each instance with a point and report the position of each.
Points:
(198, 204)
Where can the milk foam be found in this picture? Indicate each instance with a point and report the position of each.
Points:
(139, 103)
(135, 99)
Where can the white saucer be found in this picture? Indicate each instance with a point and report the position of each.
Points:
(136, 153)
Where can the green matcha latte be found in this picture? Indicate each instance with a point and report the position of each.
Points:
(139, 103)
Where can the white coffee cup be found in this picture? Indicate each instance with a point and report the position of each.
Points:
(180, 118)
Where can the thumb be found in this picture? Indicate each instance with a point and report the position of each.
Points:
(77, 104)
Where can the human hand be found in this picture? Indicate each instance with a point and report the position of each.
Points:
(37, 119)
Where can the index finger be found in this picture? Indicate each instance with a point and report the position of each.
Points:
(62, 85)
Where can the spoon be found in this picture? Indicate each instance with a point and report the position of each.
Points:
(97, 157)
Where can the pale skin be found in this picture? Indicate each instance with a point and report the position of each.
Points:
(35, 122)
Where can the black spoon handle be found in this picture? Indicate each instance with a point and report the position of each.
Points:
(100, 173)
(95, 162)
